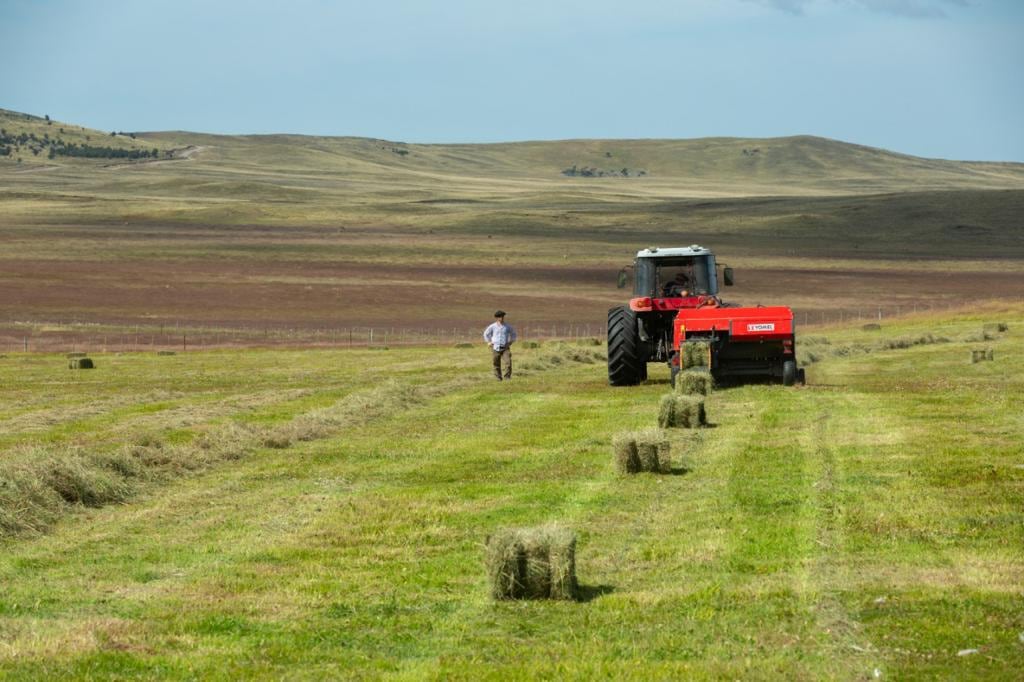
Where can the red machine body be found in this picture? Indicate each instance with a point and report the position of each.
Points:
(744, 342)
(746, 325)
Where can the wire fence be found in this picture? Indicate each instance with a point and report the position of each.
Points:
(51, 338)
(84, 337)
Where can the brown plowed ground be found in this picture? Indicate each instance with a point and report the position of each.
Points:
(290, 294)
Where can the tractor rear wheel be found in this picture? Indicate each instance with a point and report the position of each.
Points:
(627, 365)
(789, 372)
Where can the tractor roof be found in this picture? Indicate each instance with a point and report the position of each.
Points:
(655, 252)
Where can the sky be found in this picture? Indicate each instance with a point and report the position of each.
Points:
(934, 78)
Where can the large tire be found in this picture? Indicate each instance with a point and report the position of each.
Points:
(627, 365)
(789, 372)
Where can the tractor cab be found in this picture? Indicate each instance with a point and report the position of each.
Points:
(675, 273)
(672, 279)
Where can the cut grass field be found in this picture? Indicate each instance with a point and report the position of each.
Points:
(871, 520)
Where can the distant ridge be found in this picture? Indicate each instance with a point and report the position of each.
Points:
(730, 165)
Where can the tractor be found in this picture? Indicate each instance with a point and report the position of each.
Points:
(675, 302)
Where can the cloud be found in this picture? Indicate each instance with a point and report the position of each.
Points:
(903, 8)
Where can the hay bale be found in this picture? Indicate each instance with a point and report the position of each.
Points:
(536, 577)
(80, 363)
(562, 561)
(690, 412)
(981, 355)
(694, 382)
(627, 459)
(871, 327)
(667, 411)
(695, 354)
(505, 560)
(532, 563)
(994, 327)
(165, 352)
(654, 451)
(646, 450)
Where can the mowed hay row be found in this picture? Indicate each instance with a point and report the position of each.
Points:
(694, 382)
(81, 363)
(695, 354)
(685, 411)
(646, 450)
(532, 563)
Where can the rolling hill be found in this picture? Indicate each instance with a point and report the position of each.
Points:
(289, 230)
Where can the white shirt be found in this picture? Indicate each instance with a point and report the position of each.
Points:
(499, 335)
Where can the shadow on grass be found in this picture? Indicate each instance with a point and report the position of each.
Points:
(588, 593)
(679, 471)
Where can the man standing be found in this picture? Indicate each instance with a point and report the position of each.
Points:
(500, 337)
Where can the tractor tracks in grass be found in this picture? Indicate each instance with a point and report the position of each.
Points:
(826, 573)
(784, 505)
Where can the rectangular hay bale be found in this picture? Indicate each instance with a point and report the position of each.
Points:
(690, 412)
(532, 563)
(695, 354)
(80, 363)
(655, 451)
(694, 382)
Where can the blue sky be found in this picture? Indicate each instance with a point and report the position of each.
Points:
(937, 78)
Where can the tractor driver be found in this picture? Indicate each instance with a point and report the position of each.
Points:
(678, 287)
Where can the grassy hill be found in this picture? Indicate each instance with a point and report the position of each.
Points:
(297, 231)
(322, 514)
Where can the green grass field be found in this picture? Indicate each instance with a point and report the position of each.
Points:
(870, 521)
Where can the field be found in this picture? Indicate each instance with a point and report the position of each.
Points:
(279, 232)
(319, 513)
(278, 493)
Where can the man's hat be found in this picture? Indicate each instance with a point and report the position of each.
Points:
(500, 313)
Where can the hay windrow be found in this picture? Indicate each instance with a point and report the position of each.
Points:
(532, 563)
(694, 382)
(43, 483)
(558, 354)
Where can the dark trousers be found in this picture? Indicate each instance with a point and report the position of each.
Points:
(497, 356)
